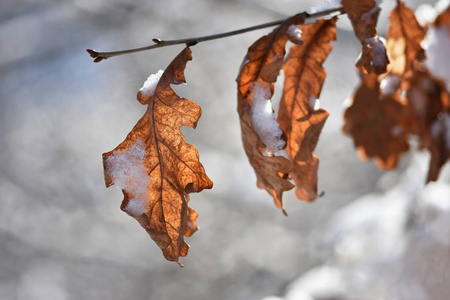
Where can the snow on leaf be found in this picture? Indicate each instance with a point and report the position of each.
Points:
(437, 47)
(377, 123)
(443, 19)
(304, 77)
(258, 72)
(364, 17)
(157, 168)
(263, 120)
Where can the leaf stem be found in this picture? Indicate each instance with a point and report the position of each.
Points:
(158, 43)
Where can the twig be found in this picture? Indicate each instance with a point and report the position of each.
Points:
(99, 56)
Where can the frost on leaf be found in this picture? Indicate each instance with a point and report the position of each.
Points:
(255, 81)
(127, 170)
(263, 120)
(403, 41)
(302, 123)
(157, 169)
(364, 17)
(149, 87)
(377, 123)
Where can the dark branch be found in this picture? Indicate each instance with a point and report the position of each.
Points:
(99, 56)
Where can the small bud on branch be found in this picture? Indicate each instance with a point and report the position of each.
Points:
(99, 56)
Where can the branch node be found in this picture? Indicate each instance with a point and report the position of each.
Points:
(96, 55)
(92, 53)
(191, 43)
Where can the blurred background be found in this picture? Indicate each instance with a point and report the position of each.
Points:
(373, 235)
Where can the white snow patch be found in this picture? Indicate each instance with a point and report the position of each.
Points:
(379, 51)
(441, 5)
(425, 14)
(314, 104)
(437, 49)
(263, 119)
(127, 171)
(149, 87)
(390, 84)
(347, 102)
(295, 34)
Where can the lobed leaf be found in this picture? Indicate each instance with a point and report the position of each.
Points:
(377, 123)
(363, 15)
(261, 67)
(403, 41)
(304, 77)
(172, 165)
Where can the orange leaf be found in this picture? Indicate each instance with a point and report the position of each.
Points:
(377, 123)
(261, 134)
(403, 41)
(364, 17)
(304, 77)
(157, 169)
(265, 57)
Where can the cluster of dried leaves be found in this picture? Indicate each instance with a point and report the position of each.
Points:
(409, 102)
(379, 122)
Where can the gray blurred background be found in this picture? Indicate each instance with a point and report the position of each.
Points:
(373, 235)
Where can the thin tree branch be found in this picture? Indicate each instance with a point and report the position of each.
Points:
(99, 56)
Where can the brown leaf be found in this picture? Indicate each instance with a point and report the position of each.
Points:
(304, 77)
(377, 123)
(440, 145)
(364, 17)
(425, 98)
(271, 171)
(256, 78)
(403, 41)
(443, 19)
(157, 169)
(265, 57)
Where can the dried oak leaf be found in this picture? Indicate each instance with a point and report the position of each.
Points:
(428, 118)
(440, 145)
(265, 57)
(363, 15)
(258, 72)
(377, 123)
(403, 41)
(157, 169)
(426, 97)
(302, 123)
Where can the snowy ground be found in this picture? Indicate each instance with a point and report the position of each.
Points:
(62, 234)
